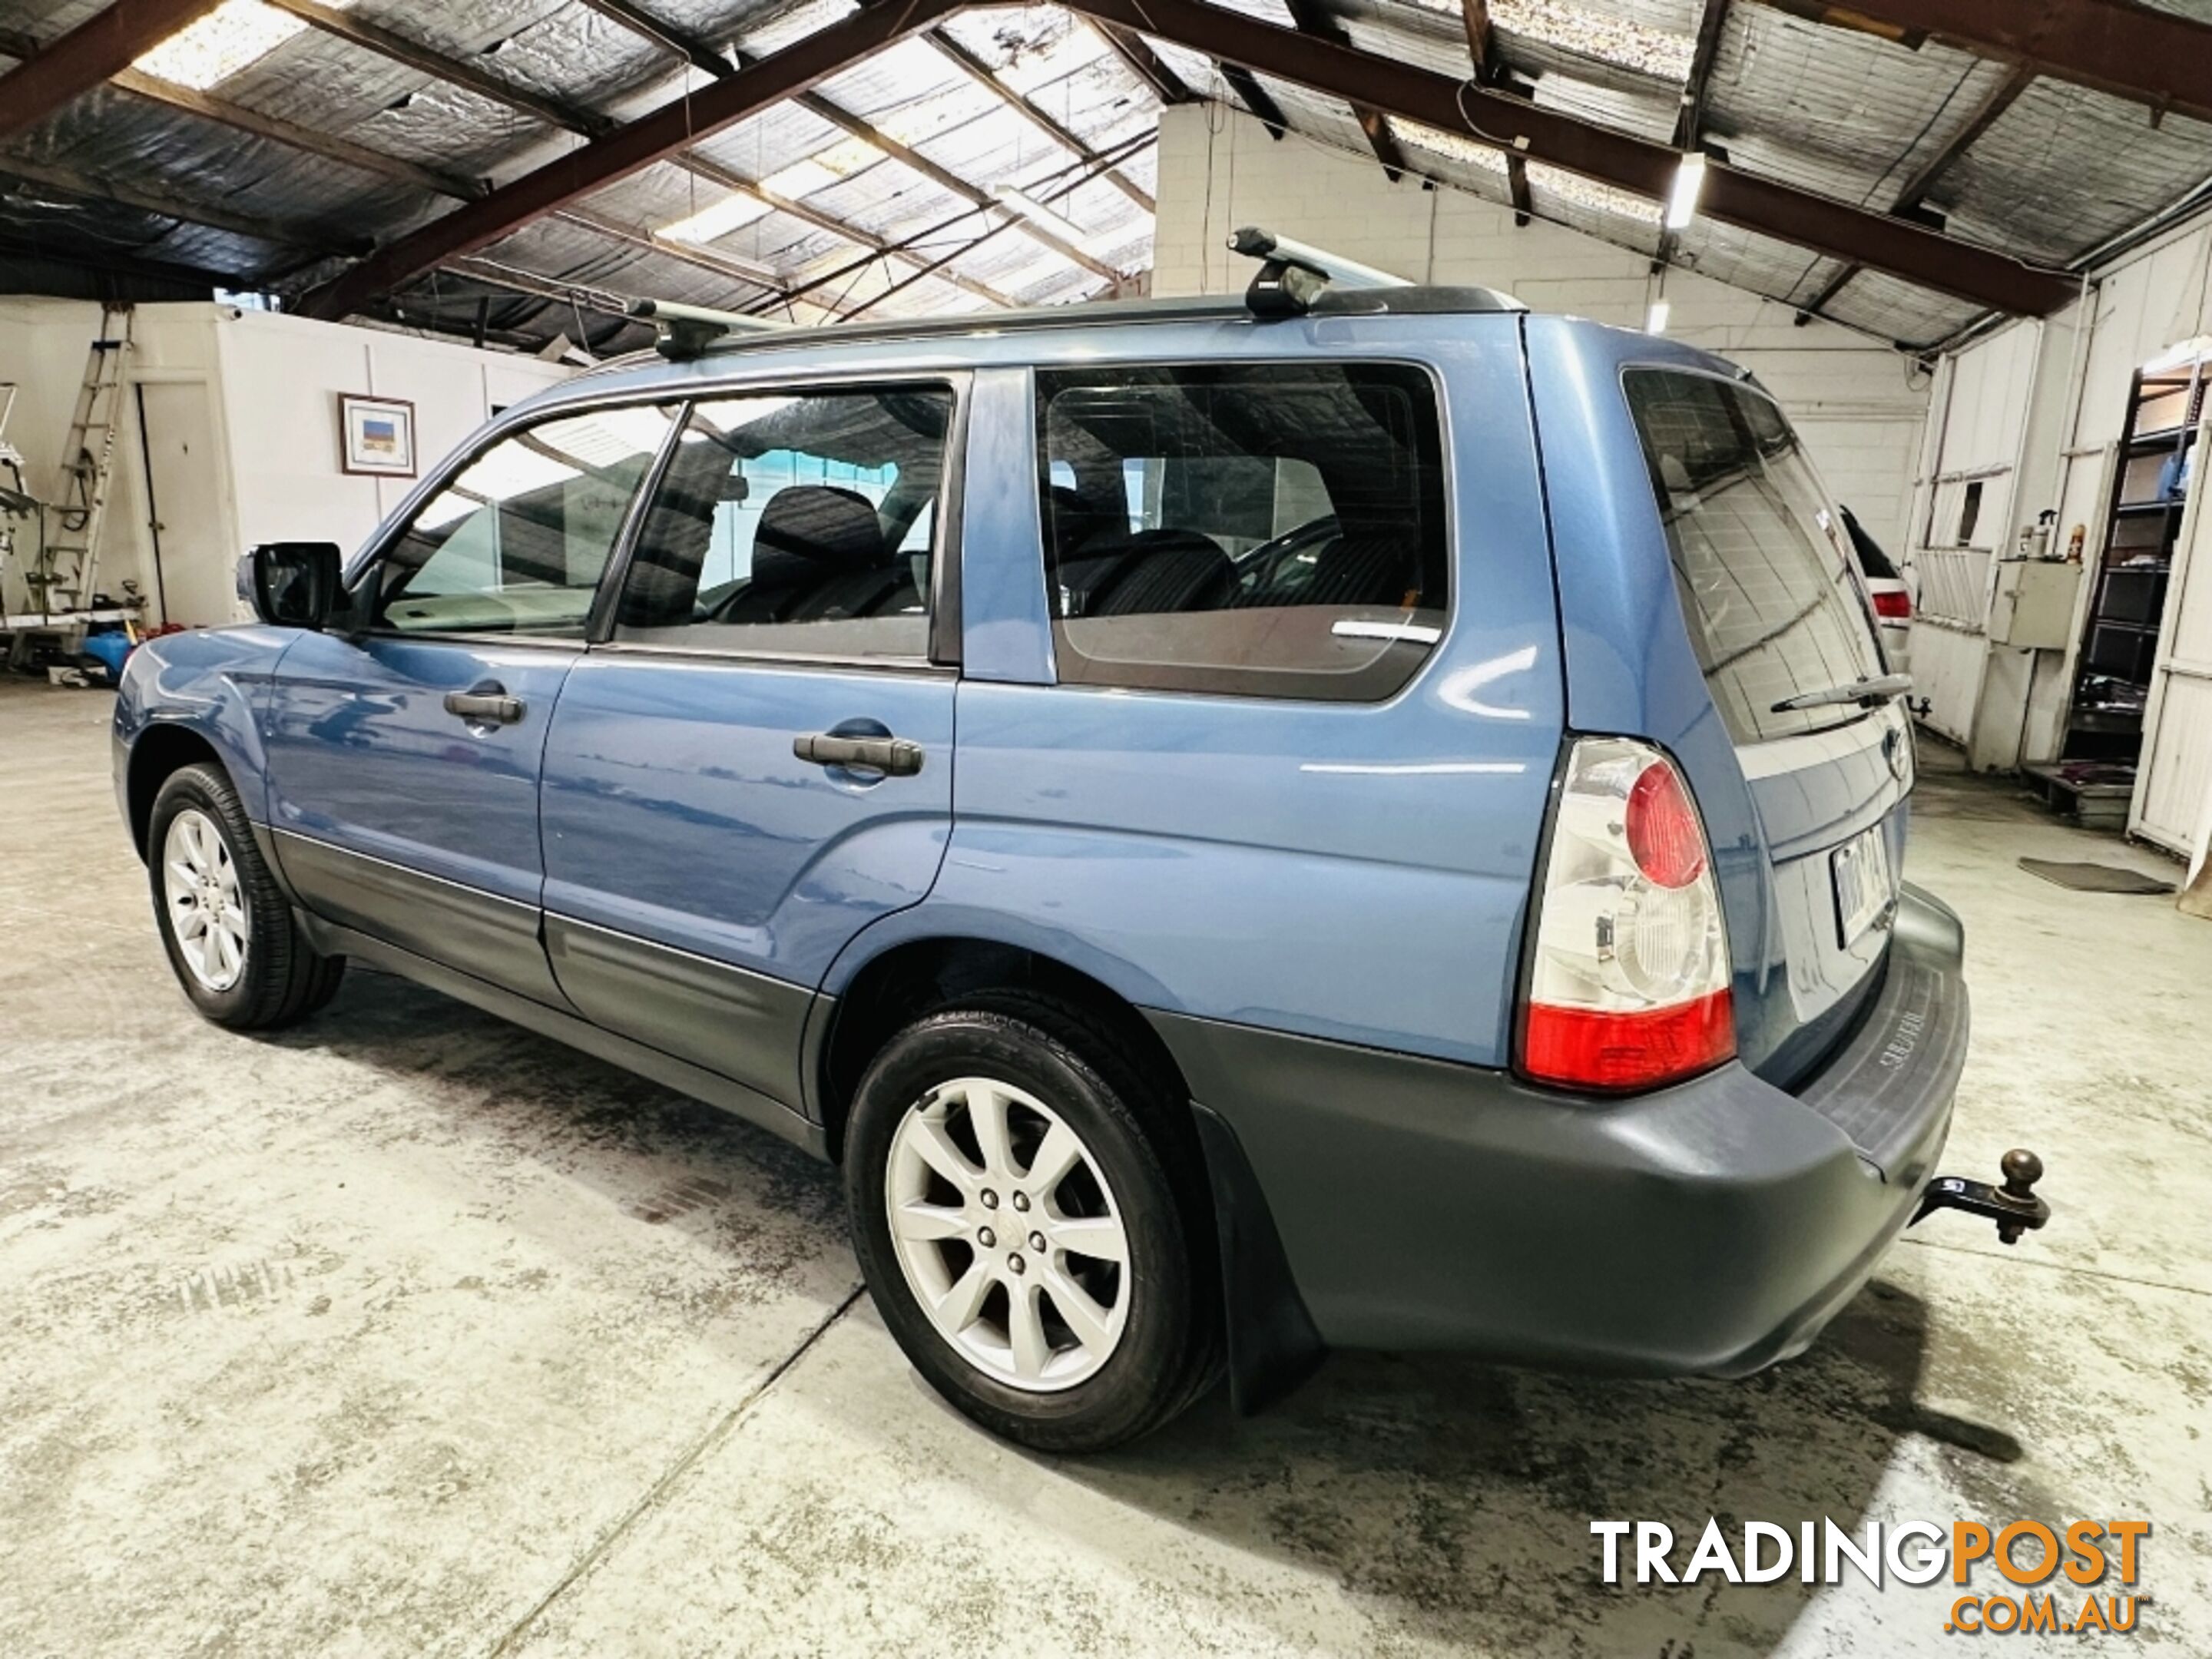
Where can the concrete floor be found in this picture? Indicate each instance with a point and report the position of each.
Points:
(407, 1332)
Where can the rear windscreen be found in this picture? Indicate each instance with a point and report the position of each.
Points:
(1761, 564)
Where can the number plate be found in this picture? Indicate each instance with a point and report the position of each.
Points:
(1864, 887)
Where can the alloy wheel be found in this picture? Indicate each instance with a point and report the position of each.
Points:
(207, 905)
(1008, 1234)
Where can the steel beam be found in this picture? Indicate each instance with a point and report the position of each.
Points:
(701, 55)
(327, 145)
(1314, 19)
(1254, 96)
(2157, 58)
(984, 76)
(165, 205)
(102, 46)
(428, 60)
(1915, 193)
(1491, 117)
(1144, 63)
(659, 136)
(1490, 70)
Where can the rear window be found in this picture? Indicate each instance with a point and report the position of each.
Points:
(1257, 529)
(1762, 563)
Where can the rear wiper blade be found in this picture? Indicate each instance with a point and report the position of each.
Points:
(1866, 693)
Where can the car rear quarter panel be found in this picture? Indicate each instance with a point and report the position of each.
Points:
(1358, 872)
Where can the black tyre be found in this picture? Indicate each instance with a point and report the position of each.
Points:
(230, 934)
(1051, 1270)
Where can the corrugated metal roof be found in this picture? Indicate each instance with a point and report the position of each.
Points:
(1846, 115)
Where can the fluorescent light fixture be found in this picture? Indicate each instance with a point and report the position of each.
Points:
(1024, 206)
(715, 220)
(1689, 184)
(234, 35)
(1656, 322)
(2180, 357)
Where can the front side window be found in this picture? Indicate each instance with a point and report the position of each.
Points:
(1762, 563)
(1271, 530)
(517, 540)
(795, 525)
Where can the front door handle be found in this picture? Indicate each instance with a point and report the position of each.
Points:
(494, 707)
(897, 758)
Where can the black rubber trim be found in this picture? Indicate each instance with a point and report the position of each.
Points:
(1273, 1344)
(334, 939)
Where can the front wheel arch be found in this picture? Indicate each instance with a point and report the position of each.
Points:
(162, 750)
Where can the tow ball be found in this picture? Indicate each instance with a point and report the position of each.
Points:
(2013, 1206)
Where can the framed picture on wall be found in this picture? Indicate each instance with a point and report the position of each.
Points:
(376, 436)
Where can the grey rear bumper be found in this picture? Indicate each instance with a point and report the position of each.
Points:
(1712, 1227)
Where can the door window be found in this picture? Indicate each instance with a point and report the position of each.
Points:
(1268, 530)
(517, 540)
(801, 526)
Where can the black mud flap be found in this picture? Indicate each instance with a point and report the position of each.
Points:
(2013, 1206)
(1273, 1344)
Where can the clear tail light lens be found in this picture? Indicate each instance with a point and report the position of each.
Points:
(1628, 987)
(1894, 603)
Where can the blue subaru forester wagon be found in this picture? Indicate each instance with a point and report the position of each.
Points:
(1242, 829)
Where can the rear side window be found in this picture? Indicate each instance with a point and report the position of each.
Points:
(1762, 563)
(1255, 530)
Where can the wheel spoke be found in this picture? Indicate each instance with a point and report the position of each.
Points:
(181, 874)
(1058, 1153)
(925, 1222)
(1099, 1237)
(192, 922)
(986, 1114)
(1025, 1326)
(1092, 1323)
(938, 1150)
(958, 1308)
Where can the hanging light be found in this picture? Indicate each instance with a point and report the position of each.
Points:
(1689, 184)
(1655, 323)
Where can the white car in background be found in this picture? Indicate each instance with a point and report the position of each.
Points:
(1892, 599)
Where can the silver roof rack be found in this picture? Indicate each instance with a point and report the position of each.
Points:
(686, 332)
(1293, 274)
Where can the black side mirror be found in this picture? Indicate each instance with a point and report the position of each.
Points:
(296, 584)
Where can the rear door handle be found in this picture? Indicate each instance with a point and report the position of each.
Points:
(896, 757)
(494, 707)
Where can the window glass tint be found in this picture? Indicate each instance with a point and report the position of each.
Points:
(1762, 563)
(517, 540)
(795, 525)
(1270, 530)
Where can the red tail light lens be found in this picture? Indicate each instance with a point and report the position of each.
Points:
(1622, 1051)
(1663, 834)
(1893, 604)
(1628, 980)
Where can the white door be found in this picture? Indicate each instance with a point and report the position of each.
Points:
(198, 582)
(2176, 768)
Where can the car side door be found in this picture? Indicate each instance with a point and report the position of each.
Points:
(756, 760)
(405, 744)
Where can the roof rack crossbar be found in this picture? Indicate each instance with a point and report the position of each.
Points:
(1292, 274)
(686, 332)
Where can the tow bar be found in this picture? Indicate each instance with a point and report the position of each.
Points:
(2013, 1206)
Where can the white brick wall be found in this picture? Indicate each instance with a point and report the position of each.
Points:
(1859, 404)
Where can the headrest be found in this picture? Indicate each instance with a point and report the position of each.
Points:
(825, 525)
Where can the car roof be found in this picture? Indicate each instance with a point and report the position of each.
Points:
(1422, 301)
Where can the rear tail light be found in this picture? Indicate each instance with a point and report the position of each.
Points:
(1894, 603)
(1628, 984)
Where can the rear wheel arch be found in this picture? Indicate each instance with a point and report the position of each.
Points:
(919, 977)
(162, 750)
